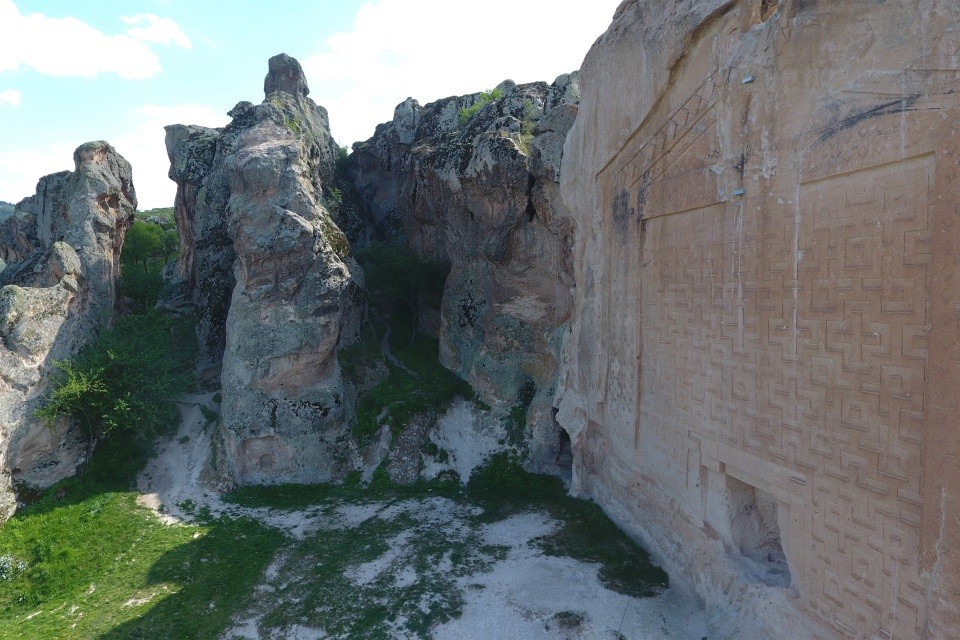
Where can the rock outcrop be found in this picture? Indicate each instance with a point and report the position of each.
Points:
(475, 180)
(761, 377)
(251, 196)
(61, 252)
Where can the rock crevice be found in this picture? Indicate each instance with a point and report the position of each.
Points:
(474, 180)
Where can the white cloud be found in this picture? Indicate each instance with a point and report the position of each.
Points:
(430, 49)
(20, 170)
(156, 29)
(70, 47)
(143, 147)
(10, 97)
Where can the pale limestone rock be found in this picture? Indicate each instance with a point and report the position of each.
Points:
(761, 376)
(62, 249)
(482, 192)
(251, 196)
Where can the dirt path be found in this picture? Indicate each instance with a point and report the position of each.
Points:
(385, 346)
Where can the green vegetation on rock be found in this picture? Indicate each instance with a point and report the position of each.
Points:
(126, 381)
(415, 381)
(483, 99)
(6, 210)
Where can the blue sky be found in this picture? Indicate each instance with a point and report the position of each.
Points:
(73, 71)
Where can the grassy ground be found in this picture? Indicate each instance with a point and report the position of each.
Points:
(96, 565)
(99, 566)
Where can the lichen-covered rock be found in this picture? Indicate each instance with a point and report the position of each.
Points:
(61, 248)
(204, 268)
(762, 370)
(250, 197)
(474, 180)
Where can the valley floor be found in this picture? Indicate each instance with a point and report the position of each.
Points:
(380, 561)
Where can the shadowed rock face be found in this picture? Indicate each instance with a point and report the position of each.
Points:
(761, 375)
(61, 251)
(258, 241)
(474, 180)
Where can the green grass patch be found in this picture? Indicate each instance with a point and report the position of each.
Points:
(502, 487)
(424, 385)
(95, 564)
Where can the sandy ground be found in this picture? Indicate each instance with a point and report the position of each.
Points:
(525, 595)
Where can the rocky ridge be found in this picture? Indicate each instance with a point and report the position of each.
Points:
(474, 180)
(60, 261)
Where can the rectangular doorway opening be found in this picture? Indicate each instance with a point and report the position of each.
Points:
(755, 529)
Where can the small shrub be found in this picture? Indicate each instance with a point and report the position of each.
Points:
(342, 163)
(570, 619)
(486, 97)
(208, 415)
(128, 380)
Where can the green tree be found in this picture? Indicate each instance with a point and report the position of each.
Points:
(171, 243)
(143, 244)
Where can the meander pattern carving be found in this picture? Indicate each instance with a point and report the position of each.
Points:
(799, 336)
(794, 332)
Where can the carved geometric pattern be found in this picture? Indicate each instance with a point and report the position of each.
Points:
(683, 126)
(797, 333)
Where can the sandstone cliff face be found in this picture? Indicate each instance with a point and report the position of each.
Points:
(475, 180)
(252, 195)
(761, 374)
(61, 251)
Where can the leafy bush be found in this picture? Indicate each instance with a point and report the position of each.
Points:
(342, 163)
(485, 98)
(128, 380)
(141, 288)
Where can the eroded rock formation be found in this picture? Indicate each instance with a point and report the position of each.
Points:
(61, 251)
(475, 180)
(761, 378)
(251, 196)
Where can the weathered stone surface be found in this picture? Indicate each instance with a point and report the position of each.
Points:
(251, 196)
(285, 74)
(481, 191)
(62, 249)
(204, 268)
(761, 374)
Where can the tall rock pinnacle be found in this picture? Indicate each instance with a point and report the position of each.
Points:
(285, 74)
